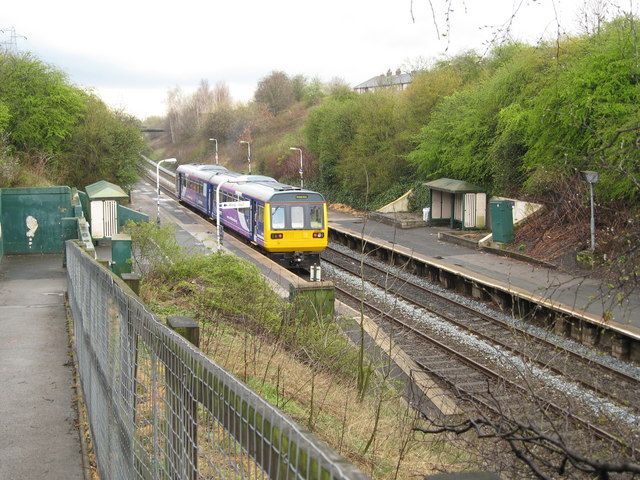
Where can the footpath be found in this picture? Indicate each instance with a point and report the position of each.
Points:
(38, 435)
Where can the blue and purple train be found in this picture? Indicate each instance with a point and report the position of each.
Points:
(290, 224)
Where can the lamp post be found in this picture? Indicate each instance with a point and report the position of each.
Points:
(215, 140)
(301, 169)
(248, 153)
(592, 178)
(166, 160)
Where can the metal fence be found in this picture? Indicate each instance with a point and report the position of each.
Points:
(158, 408)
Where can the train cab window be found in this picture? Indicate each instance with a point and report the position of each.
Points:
(297, 217)
(316, 216)
(277, 218)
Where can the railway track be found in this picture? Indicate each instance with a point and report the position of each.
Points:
(597, 377)
(482, 384)
(467, 373)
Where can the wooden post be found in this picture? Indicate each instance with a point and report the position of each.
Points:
(183, 412)
(187, 327)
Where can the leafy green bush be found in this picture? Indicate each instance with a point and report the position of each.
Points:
(44, 107)
(419, 198)
(61, 131)
(103, 145)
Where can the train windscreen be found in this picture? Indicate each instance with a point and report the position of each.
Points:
(297, 217)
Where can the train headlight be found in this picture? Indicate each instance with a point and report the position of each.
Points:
(318, 234)
(276, 236)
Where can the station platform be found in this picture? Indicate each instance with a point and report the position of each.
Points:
(581, 295)
(38, 433)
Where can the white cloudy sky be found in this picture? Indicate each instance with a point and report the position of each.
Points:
(130, 52)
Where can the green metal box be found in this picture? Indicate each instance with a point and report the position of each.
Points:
(121, 254)
(502, 220)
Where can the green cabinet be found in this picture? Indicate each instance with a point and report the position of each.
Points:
(121, 254)
(502, 220)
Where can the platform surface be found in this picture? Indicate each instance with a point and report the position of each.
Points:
(38, 436)
(582, 293)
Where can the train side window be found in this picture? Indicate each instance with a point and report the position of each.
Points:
(297, 217)
(277, 218)
(316, 216)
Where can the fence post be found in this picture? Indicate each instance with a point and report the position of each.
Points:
(133, 280)
(183, 405)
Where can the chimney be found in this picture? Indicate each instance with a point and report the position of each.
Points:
(389, 73)
(398, 72)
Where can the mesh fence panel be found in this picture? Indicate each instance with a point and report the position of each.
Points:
(158, 408)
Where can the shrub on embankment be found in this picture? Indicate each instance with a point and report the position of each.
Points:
(52, 131)
(520, 120)
(305, 368)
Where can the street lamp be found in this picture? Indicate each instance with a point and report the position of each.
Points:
(166, 160)
(301, 170)
(215, 140)
(248, 153)
(591, 178)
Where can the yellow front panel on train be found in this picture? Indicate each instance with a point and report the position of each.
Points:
(294, 240)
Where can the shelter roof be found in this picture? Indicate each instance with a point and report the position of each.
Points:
(453, 186)
(104, 190)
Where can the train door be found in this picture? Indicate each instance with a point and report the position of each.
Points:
(211, 202)
(258, 222)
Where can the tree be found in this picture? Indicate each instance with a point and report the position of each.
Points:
(43, 107)
(275, 91)
(104, 145)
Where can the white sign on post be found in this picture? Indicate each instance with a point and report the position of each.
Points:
(225, 205)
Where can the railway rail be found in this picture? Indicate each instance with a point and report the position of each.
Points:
(598, 377)
(479, 386)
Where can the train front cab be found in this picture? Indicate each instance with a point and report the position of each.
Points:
(296, 233)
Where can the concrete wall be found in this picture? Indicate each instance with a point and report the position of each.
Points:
(400, 204)
(521, 209)
(125, 214)
(32, 219)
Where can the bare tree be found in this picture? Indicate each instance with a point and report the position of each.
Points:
(275, 91)
(592, 14)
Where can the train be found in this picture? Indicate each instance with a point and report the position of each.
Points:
(289, 224)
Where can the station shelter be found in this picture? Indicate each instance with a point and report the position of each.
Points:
(104, 198)
(456, 203)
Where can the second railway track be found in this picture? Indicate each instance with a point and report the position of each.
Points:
(597, 377)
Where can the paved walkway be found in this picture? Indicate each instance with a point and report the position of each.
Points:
(576, 292)
(38, 437)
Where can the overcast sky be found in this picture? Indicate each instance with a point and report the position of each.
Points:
(131, 52)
